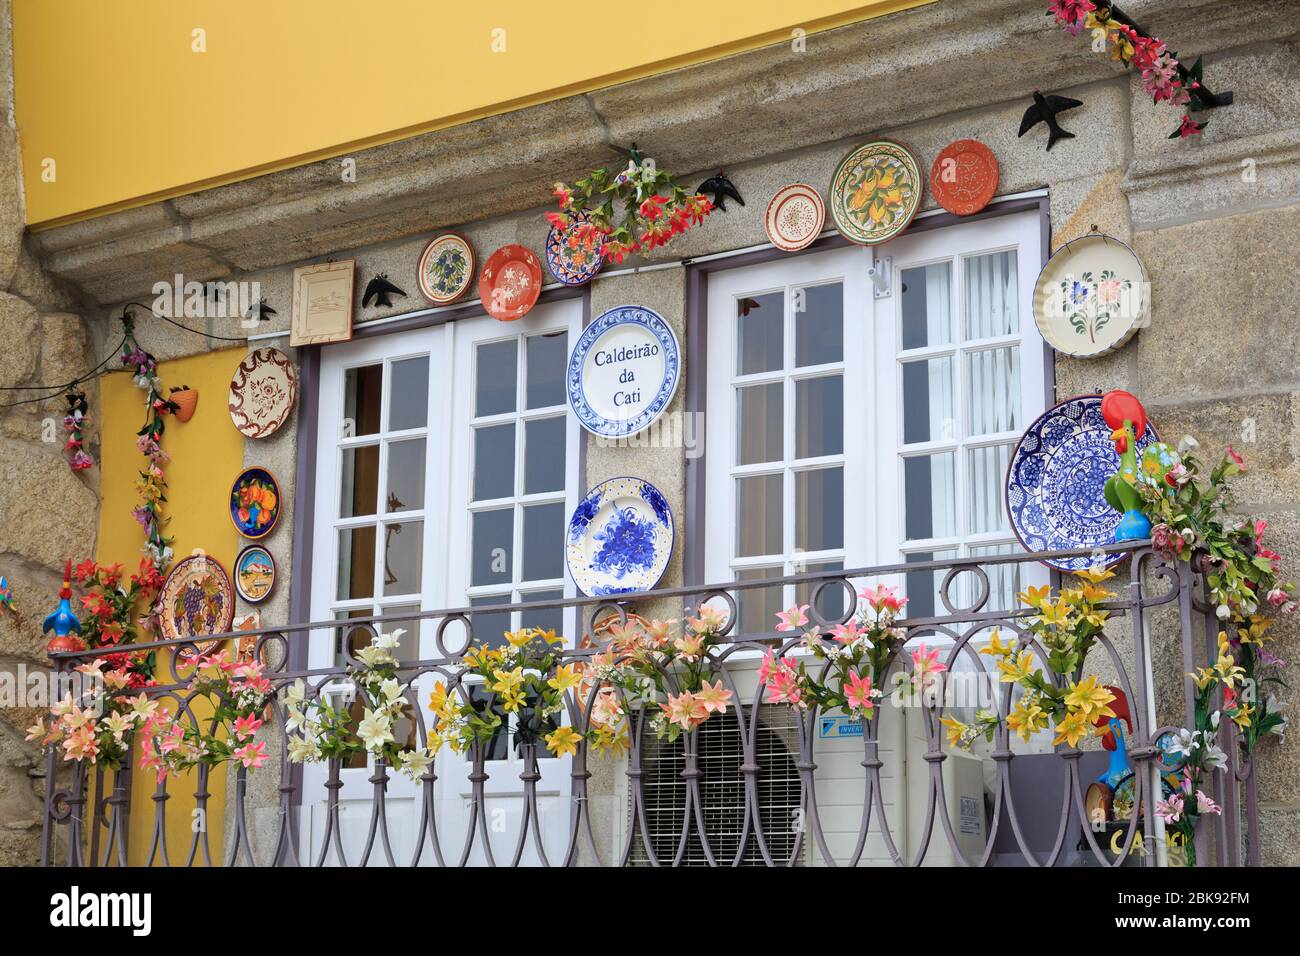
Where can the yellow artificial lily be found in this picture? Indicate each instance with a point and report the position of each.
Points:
(440, 701)
(1072, 728)
(1089, 699)
(563, 742)
(956, 730)
(1015, 668)
(1243, 715)
(1026, 718)
(1055, 613)
(1254, 633)
(1034, 597)
(1201, 677)
(1095, 575)
(548, 635)
(995, 647)
(519, 639)
(566, 676)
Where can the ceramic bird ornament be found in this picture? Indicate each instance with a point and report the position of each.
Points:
(63, 622)
(722, 189)
(1045, 110)
(7, 597)
(260, 312)
(380, 289)
(1127, 419)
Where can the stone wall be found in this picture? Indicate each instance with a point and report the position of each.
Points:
(1216, 221)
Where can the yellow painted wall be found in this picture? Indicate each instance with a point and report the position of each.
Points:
(117, 97)
(207, 453)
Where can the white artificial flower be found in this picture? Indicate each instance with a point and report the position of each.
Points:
(392, 691)
(375, 730)
(296, 694)
(1223, 612)
(415, 762)
(1187, 443)
(1215, 758)
(1183, 742)
(375, 656)
(303, 749)
(388, 641)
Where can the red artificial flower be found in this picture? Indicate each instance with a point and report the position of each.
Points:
(1189, 127)
(85, 571)
(561, 193)
(558, 220)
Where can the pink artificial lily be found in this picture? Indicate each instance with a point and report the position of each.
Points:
(246, 726)
(792, 618)
(251, 755)
(858, 692)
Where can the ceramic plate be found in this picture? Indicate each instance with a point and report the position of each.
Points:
(446, 268)
(262, 392)
(620, 538)
(254, 574)
(964, 177)
(255, 502)
(795, 217)
(1056, 481)
(875, 192)
(623, 371)
(510, 283)
(1091, 296)
(574, 255)
(196, 600)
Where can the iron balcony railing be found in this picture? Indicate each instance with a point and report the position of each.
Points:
(745, 790)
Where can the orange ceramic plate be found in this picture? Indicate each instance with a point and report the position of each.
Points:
(964, 177)
(510, 283)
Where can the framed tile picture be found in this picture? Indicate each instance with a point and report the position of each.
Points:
(322, 303)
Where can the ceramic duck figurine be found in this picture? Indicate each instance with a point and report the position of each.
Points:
(63, 622)
(1128, 421)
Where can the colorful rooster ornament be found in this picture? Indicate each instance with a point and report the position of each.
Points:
(63, 622)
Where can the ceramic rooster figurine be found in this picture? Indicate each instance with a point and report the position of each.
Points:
(1114, 740)
(63, 622)
(7, 597)
(1128, 421)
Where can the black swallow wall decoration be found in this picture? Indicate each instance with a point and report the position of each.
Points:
(722, 189)
(1045, 110)
(261, 312)
(379, 289)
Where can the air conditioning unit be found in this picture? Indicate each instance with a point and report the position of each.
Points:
(839, 780)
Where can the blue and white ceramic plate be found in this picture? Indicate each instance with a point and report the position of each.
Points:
(574, 257)
(623, 371)
(1056, 481)
(620, 538)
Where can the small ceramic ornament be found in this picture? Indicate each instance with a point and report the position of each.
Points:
(446, 268)
(7, 597)
(1045, 110)
(795, 217)
(186, 400)
(63, 622)
(722, 189)
(381, 291)
(1156, 467)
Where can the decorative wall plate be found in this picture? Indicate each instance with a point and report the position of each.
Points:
(1056, 481)
(623, 371)
(620, 538)
(875, 192)
(964, 177)
(262, 392)
(255, 502)
(510, 283)
(196, 600)
(795, 217)
(254, 574)
(446, 268)
(1091, 296)
(574, 256)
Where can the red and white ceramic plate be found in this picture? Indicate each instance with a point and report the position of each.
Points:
(964, 177)
(795, 217)
(262, 392)
(510, 283)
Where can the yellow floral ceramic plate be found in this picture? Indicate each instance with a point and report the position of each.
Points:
(875, 192)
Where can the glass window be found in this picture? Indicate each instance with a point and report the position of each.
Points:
(760, 343)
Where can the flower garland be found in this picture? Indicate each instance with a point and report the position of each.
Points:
(1163, 77)
(110, 605)
(73, 422)
(655, 209)
(152, 485)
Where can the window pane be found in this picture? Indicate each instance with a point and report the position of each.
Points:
(408, 645)
(988, 470)
(819, 327)
(403, 547)
(927, 305)
(360, 481)
(494, 462)
(547, 356)
(922, 587)
(490, 627)
(819, 416)
(991, 302)
(819, 509)
(405, 475)
(993, 390)
(929, 489)
(356, 637)
(758, 423)
(361, 391)
(928, 401)
(356, 563)
(493, 544)
(494, 378)
(549, 619)
(1004, 579)
(543, 542)
(758, 515)
(760, 336)
(408, 404)
(756, 607)
(834, 598)
(544, 457)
